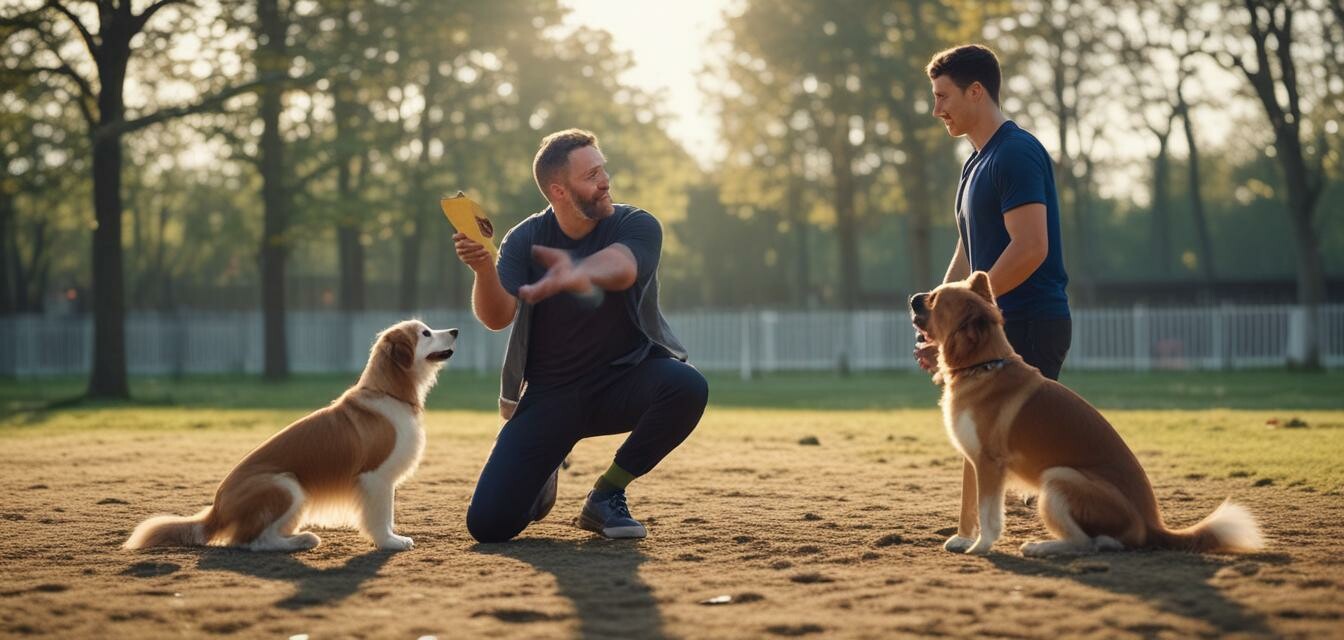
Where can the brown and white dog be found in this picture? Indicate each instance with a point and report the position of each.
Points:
(1015, 426)
(338, 466)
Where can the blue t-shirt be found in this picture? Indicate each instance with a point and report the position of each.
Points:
(1011, 170)
(570, 335)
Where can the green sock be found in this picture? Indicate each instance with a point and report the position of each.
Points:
(615, 479)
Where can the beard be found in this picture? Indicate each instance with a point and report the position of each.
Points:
(594, 208)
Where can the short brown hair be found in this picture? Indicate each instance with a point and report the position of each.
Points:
(966, 64)
(554, 154)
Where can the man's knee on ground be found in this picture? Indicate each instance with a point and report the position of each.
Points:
(690, 387)
(491, 524)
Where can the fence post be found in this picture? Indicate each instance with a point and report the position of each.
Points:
(1220, 360)
(1143, 348)
(179, 334)
(745, 341)
(769, 353)
(1297, 336)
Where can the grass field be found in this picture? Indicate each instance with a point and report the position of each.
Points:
(839, 539)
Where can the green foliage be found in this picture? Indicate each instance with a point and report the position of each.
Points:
(834, 169)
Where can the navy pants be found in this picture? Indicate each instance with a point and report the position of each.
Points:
(658, 401)
(1043, 343)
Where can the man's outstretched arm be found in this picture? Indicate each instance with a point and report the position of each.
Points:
(611, 269)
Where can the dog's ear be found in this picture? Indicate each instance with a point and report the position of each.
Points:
(400, 350)
(961, 344)
(979, 283)
(976, 321)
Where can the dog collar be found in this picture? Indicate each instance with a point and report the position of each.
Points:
(991, 365)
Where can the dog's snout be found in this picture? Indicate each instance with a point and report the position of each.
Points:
(452, 332)
(917, 302)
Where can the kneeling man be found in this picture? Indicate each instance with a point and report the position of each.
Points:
(579, 283)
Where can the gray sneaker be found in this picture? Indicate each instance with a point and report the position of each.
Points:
(605, 513)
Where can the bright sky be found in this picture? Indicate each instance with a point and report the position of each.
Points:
(668, 42)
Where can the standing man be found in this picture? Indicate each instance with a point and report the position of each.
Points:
(1007, 211)
(578, 281)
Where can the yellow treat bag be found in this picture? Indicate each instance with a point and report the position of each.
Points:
(468, 217)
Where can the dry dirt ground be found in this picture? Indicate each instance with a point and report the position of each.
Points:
(837, 539)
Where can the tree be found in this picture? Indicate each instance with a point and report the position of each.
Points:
(272, 56)
(42, 153)
(101, 100)
(1273, 73)
(1160, 47)
(1055, 55)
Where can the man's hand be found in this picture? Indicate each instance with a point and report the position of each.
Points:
(472, 253)
(562, 275)
(926, 353)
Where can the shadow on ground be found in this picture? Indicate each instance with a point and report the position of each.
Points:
(601, 579)
(314, 586)
(1178, 583)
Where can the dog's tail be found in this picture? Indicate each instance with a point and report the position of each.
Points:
(1229, 528)
(172, 531)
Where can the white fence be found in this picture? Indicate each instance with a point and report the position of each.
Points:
(741, 341)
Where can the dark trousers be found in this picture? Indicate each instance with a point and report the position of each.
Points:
(1043, 343)
(658, 401)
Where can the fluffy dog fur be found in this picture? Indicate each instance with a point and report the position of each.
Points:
(338, 466)
(1014, 426)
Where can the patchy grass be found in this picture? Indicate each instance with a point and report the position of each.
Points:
(1279, 390)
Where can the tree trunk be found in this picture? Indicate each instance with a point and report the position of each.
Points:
(157, 267)
(846, 223)
(798, 219)
(407, 297)
(1302, 200)
(108, 377)
(9, 246)
(275, 243)
(919, 199)
(41, 267)
(30, 278)
(1207, 266)
(1304, 190)
(419, 206)
(1159, 230)
(350, 227)
(920, 211)
(351, 250)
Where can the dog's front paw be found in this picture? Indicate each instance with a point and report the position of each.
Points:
(958, 544)
(1035, 549)
(305, 540)
(981, 547)
(395, 542)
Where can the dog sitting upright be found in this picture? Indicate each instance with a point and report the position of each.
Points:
(1013, 425)
(338, 466)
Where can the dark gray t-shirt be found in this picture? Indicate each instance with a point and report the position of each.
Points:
(571, 336)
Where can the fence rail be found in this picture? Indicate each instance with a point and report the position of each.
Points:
(1220, 337)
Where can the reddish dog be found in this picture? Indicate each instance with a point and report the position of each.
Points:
(1015, 426)
(338, 466)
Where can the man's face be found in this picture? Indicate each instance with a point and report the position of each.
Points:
(953, 105)
(588, 183)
